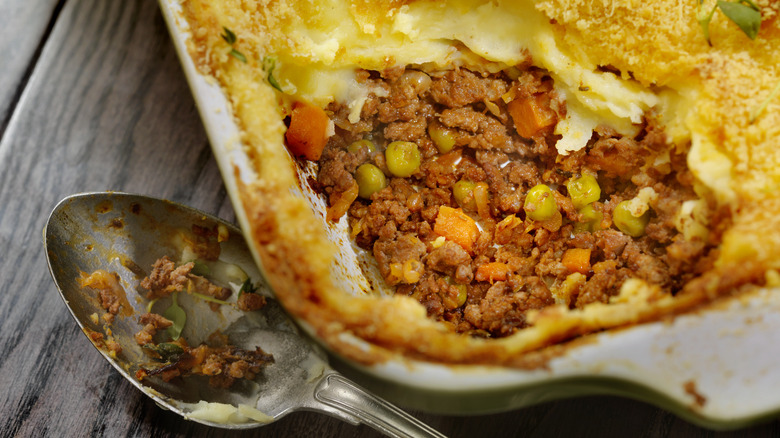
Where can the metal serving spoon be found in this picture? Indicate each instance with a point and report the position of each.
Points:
(125, 234)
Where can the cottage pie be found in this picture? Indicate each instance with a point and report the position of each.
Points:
(510, 174)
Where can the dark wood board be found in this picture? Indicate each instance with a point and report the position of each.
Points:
(24, 26)
(104, 106)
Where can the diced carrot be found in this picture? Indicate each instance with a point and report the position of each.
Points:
(577, 260)
(457, 226)
(531, 115)
(308, 131)
(493, 271)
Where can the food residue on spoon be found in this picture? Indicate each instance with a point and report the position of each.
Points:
(201, 274)
(220, 361)
(111, 294)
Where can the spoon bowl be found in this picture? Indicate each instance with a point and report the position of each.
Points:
(124, 234)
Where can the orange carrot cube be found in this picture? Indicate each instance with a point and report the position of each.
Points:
(531, 115)
(493, 271)
(577, 260)
(457, 226)
(308, 132)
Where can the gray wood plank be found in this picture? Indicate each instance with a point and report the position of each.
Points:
(107, 108)
(23, 29)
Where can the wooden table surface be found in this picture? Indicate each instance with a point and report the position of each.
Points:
(92, 98)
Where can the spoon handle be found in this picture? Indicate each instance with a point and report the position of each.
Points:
(344, 395)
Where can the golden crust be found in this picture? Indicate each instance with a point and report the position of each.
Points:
(660, 43)
(708, 93)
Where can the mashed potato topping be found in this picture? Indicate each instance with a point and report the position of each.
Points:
(613, 63)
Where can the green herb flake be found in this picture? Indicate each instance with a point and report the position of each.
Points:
(238, 55)
(168, 351)
(209, 299)
(273, 82)
(228, 36)
(177, 316)
(704, 19)
(200, 268)
(757, 112)
(745, 15)
(247, 287)
(150, 305)
(269, 64)
(231, 39)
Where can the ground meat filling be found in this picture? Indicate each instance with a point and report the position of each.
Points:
(152, 323)
(167, 278)
(110, 291)
(488, 225)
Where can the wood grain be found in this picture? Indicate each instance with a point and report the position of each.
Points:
(107, 108)
(23, 27)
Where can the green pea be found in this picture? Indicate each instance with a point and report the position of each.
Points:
(463, 291)
(370, 180)
(463, 294)
(540, 203)
(361, 144)
(403, 158)
(463, 191)
(626, 222)
(591, 220)
(443, 138)
(583, 190)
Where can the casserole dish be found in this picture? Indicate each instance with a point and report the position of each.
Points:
(699, 350)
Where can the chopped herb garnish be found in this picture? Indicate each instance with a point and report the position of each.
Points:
(247, 287)
(744, 13)
(704, 20)
(272, 81)
(238, 55)
(168, 351)
(231, 39)
(150, 305)
(200, 268)
(757, 112)
(177, 316)
(228, 36)
(269, 64)
(209, 299)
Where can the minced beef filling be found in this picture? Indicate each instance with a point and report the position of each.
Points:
(490, 137)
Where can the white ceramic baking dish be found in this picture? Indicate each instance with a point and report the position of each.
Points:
(715, 367)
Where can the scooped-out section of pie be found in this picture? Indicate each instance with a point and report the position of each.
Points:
(479, 182)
